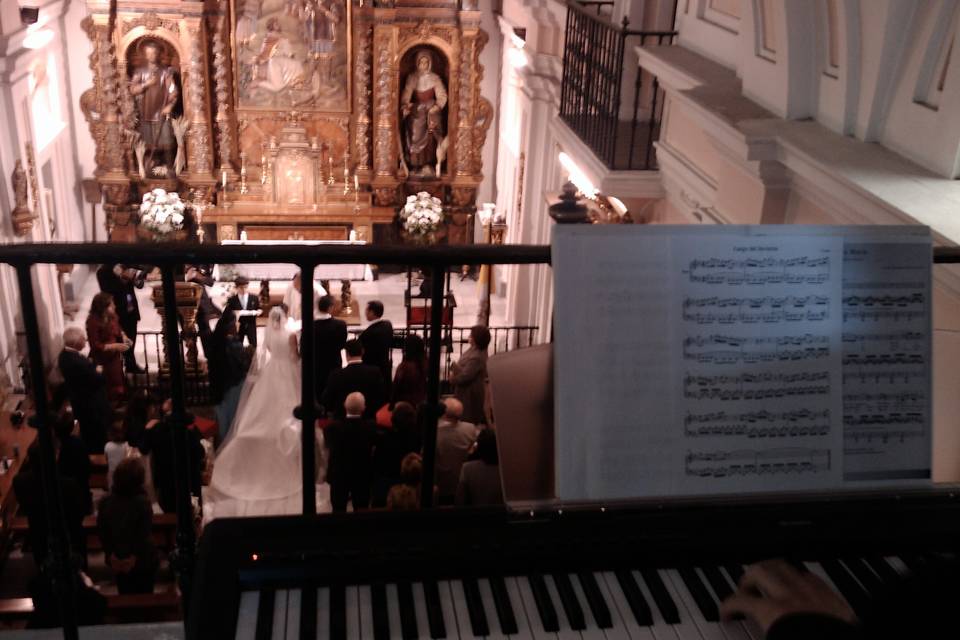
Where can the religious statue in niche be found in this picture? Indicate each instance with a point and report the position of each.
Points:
(156, 92)
(421, 105)
(293, 54)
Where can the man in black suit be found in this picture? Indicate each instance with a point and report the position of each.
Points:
(158, 440)
(350, 441)
(356, 376)
(87, 390)
(243, 300)
(377, 341)
(119, 282)
(329, 338)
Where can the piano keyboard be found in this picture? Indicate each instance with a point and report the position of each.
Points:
(640, 604)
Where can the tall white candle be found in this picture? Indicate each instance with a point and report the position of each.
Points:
(223, 178)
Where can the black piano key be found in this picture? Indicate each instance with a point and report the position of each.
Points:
(501, 600)
(568, 599)
(381, 617)
(718, 582)
(701, 595)
(665, 603)
(862, 572)
(848, 587)
(478, 617)
(265, 615)
(598, 606)
(915, 563)
(338, 612)
(638, 605)
(408, 616)
(887, 573)
(548, 614)
(735, 571)
(431, 596)
(308, 613)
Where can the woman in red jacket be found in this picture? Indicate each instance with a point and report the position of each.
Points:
(107, 343)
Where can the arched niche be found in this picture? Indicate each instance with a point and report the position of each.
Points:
(441, 67)
(131, 42)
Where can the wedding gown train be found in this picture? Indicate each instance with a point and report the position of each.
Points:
(257, 470)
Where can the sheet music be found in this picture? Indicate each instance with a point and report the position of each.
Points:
(697, 361)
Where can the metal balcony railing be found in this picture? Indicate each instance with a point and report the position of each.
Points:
(592, 91)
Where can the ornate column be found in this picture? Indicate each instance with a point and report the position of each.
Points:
(386, 105)
(188, 297)
(362, 62)
(222, 89)
(200, 160)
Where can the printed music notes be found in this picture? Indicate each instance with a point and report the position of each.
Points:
(697, 361)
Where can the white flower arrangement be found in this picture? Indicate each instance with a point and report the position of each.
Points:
(422, 214)
(162, 212)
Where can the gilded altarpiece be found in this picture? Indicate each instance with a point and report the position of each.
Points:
(287, 118)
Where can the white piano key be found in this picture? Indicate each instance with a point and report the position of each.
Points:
(593, 630)
(898, 565)
(293, 614)
(366, 611)
(279, 615)
(493, 620)
(685, 628)
(323, 612)
(817, 570)
(620, 610)
(566, 631)
(247, 616)
(751, 627)
(524, 626)
(733, 630)
(530, 606)
(393, 612)
(461, 611)
(446, 603)
(420, 610)
(688, 627)
(683, 598)
(354, 615)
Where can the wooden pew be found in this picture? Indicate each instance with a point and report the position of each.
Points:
(134, 607)
(164, 530)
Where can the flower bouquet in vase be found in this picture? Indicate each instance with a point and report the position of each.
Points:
(422, 219)
(162, 217)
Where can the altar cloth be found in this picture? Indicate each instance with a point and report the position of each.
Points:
(282, 271)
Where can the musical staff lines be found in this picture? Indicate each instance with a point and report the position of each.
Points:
(760, 271)
(894, 308)
(766, 309)
(744, 462)
(759, 424)
(732, 350)
(743, 386)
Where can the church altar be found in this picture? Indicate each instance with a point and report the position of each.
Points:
(282, 271)
(287, 119)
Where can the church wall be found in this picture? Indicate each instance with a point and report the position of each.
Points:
(490, 58)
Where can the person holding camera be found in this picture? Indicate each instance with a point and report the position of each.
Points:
(121, 282)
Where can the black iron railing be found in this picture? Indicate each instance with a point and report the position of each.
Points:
(592, 91)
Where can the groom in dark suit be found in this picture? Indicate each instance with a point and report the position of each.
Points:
(243, 300)
(329, 338)
(377, 341)
(356, 376)
(87, 390)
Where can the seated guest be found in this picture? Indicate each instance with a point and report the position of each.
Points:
(410, 381)
(480, 479)
(28, 488)
(455, 439)
(356, 376)
(392, 445)
(403, 497)
(115, 450)
(125, 525)
(107, 343)
(377, 340)
(142, 410)
(158, 443)
(469, 376)
(330, 337)
(411, 481)
(73, 461)
(86, 388)
(350, 441)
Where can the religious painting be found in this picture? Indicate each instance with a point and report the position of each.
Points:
(292, 54)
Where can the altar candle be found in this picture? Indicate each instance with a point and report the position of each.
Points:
(356, 182)
(223, 178)
(331, 166)
(353, 235)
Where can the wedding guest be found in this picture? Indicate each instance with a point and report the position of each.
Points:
(377, 341)
(350, 441)
(356, 376)
(158, 443)
(403, 497)
(125, 525)
(115, 451)
(480, 479)
(142, 410)
(469, 376)
(121, 283)
(86, 388)
(228, 364)
(410, 381)
(411, 481)
(329, 339)
(392, 446)
(243, 300)
(455, 439)
(73, 461)
(107, 343)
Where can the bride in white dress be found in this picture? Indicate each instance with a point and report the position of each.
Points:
(257, 470)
